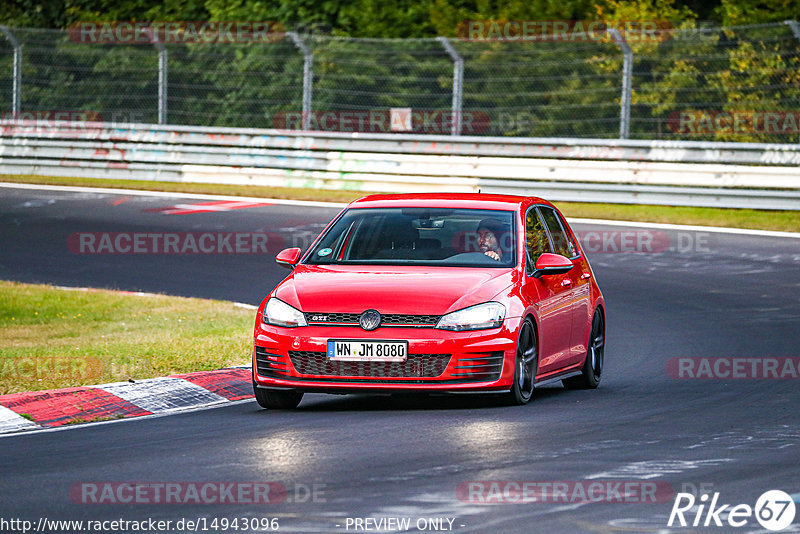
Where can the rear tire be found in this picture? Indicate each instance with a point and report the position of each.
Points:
(276, 399)
(593, 366)
(525, 366)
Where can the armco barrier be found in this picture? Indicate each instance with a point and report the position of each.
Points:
(735, 175)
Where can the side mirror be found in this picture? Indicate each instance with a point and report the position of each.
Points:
(551, 264)
(288, 257)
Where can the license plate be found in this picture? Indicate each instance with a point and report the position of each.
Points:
(357, 350)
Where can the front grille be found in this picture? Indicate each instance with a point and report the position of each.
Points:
(271, 365)
(339, 318)
(415, 366)
(399, 319)
(479, 367)
(390, 319)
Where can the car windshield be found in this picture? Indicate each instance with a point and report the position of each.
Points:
(419, 236)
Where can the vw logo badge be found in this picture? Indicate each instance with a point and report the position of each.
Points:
(370, 320)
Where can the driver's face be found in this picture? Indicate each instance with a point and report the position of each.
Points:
(487, 240)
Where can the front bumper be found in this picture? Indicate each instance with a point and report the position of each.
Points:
(438, 360)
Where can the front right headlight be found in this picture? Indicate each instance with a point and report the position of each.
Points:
(479, 317)
(278, 313)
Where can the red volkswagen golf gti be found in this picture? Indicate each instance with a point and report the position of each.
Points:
(432, 293)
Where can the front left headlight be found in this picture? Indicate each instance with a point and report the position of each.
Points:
(278, 313)
(479, 317)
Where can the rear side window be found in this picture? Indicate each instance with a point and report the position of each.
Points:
(562, 244)
(536, 241)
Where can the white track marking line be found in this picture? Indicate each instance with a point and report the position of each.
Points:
(77, 189)
(174, 194)
(686, 227)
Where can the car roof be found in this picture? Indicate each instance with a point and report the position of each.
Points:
(448, 200)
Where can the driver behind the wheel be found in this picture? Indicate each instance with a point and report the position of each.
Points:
(489, 233)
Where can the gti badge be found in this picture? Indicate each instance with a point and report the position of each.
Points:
(370, 320)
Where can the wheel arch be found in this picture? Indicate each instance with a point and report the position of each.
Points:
(535, 323)
(599, 305)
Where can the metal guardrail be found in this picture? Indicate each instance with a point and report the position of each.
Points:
(735, 175)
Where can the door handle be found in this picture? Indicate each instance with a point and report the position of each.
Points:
(566, 282)
(584, 276)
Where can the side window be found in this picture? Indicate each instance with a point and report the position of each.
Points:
(561, 242)
(536, 241)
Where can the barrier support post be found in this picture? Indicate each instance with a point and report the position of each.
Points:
(458, 82)
(308, 77)
(16, 91)
(627, 75)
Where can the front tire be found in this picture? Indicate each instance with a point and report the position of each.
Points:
(595, 355)
(276, 399)
(525, 366)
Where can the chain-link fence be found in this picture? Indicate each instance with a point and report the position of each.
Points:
(732, 84)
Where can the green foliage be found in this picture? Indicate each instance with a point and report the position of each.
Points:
(737, 12)
(375, 18)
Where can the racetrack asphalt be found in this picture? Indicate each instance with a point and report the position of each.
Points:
(712, 295)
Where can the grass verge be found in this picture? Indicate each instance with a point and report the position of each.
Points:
(786, 221)
(54, 338)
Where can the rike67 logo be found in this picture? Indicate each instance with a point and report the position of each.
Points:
(774, 510)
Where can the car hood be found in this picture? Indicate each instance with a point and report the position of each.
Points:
(410, 290)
